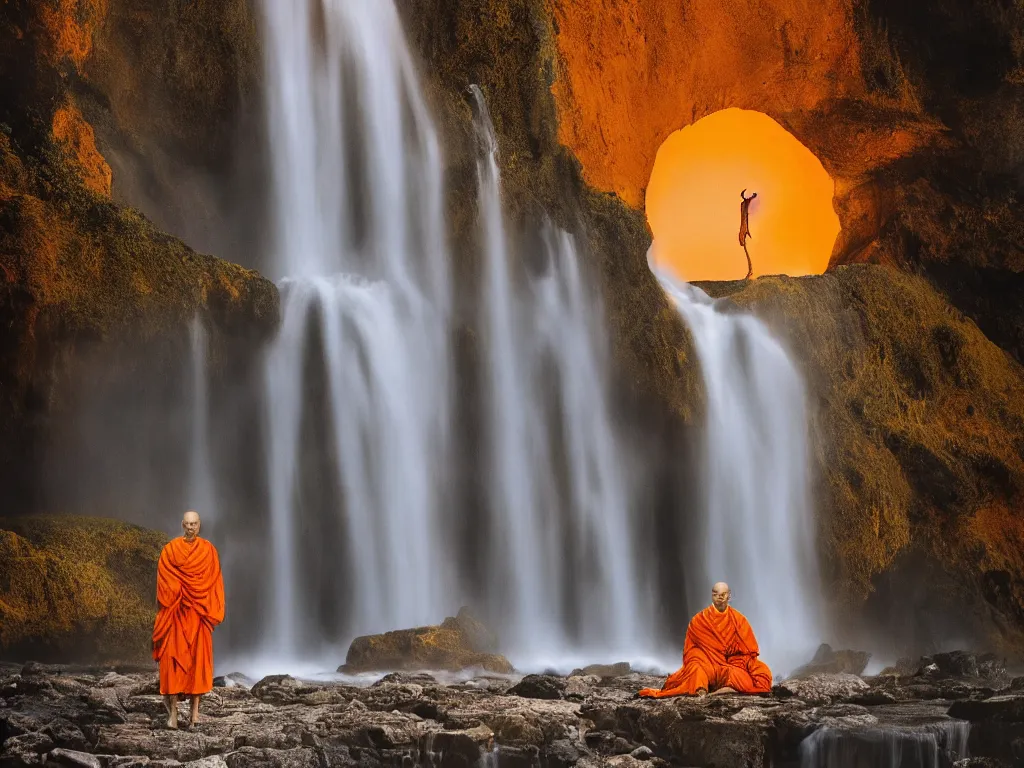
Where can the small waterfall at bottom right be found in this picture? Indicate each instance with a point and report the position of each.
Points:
(758, 529)
(931, 745)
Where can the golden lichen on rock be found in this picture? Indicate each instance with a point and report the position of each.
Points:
(68, 27)
(917, 421)
(72, 131)
(460, 642)
(77, 589)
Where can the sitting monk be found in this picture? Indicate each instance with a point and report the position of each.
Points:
(190, 598)
(719, 656)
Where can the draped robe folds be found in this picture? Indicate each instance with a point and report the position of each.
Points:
(720, 650)
(190, 597)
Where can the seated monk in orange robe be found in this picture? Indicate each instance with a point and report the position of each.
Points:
(190, 597)
(719, 655)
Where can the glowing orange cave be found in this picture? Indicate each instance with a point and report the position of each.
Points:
(693, 200)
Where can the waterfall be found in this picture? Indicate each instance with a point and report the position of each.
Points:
(562, 553)
(929, 745)
(358, 381)
(201, 492)
(359, 250)
(759, 526)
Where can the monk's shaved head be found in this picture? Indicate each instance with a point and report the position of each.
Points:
(720, 595)
(190, 525)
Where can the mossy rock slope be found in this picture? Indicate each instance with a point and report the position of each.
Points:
(77, 589)
(917, 424)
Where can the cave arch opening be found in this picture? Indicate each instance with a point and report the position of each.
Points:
(693, 200)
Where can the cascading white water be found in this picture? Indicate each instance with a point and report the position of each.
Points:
(361, 361)
(929, 745)
(759, 528)
(561, 548)
(360, 241)
(201, 492)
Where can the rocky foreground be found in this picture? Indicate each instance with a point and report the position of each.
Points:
(937, 713)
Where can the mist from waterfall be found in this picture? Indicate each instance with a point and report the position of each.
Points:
(758, 523)
(563, 554)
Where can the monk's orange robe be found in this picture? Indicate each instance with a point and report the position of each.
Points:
(720, 650)
(190, 597)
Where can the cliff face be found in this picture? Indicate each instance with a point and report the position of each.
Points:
(83, 278)
(918, 431)
(926, 156)
(916, 403)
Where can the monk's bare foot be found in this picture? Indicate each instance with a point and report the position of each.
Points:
(701, 693)
(171, 705)
(723, 690)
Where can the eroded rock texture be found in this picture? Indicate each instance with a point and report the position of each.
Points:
(910, 109)
(97, 717)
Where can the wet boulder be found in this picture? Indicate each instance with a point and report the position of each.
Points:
(539, 687)
(603, 671)
(460, 642)
(821, 689)
(829, 661)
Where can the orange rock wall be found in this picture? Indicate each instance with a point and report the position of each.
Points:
(68, 27)
(76, 135)
(634, 71)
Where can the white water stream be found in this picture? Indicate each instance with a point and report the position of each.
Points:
(759, 528)
(201, 491)
(564, 548)
(359, 240)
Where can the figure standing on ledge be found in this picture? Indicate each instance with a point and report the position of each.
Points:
(190, 598)
(719, 654)
(745, 228)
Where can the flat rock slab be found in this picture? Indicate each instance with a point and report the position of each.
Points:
(99, 719)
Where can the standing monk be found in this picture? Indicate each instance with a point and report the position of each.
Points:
(719, 655)
(190, 597)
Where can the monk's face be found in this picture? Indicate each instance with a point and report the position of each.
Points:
(720, 595)
(190, 525)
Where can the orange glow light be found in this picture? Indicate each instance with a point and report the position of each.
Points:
(693, 200)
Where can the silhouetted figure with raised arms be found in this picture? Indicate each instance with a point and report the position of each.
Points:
(745, 228)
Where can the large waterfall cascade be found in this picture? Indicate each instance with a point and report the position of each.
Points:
(759, 527)
(362, 262)
(360, 244)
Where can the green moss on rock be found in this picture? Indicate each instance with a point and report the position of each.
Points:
(916, 420)
(77, 589)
